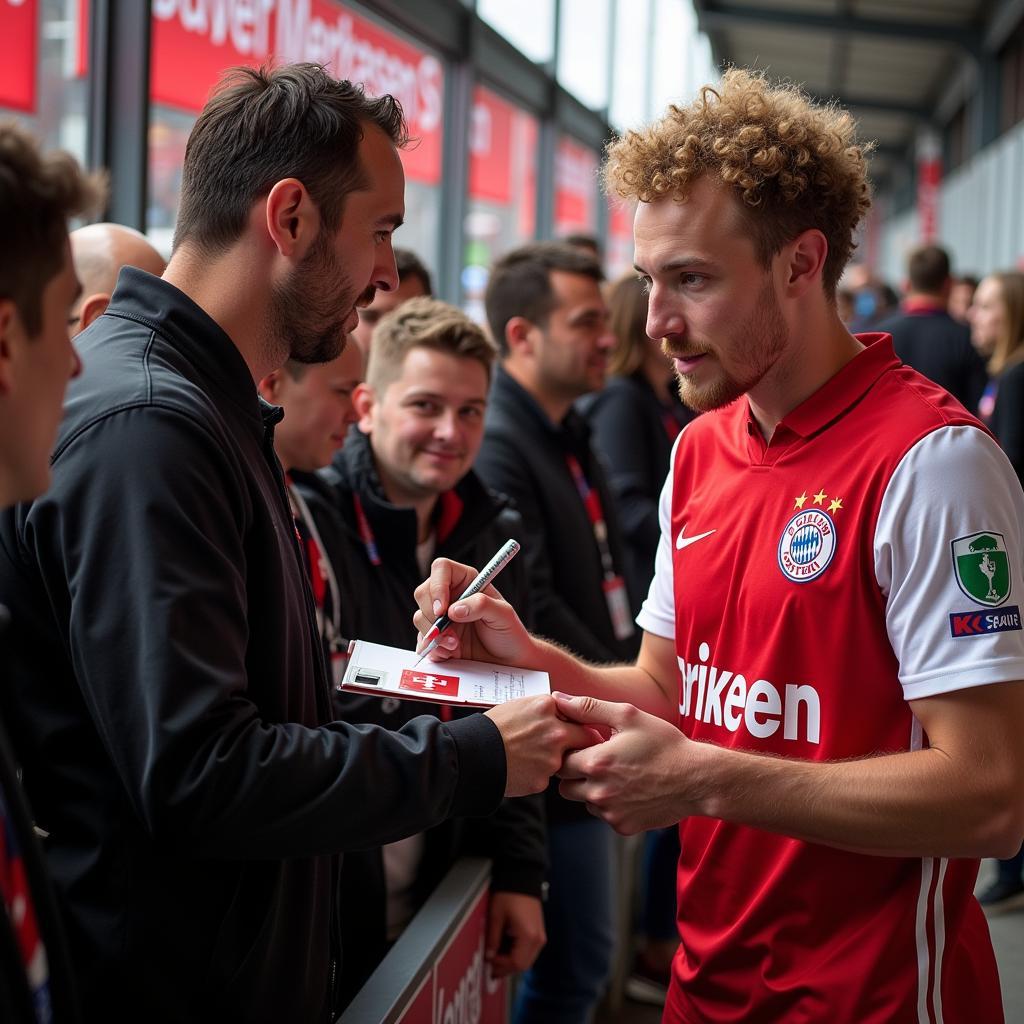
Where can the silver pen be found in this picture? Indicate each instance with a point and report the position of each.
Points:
(505, 554)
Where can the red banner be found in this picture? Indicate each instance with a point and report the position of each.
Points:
(19, 30)
(195, 40)
(460, 987)
(929, 178)
(575, 187)
(490, 166)
(82, 40)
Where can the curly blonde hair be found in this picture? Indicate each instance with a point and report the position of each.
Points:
(792, 164)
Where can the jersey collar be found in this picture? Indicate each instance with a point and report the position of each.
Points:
(838, 393)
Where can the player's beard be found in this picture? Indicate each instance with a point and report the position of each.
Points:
(310, 308)
(754, 348)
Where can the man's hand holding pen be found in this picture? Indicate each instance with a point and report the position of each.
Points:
(485, 627)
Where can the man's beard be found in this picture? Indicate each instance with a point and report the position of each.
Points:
(309, 310)
(762, 339)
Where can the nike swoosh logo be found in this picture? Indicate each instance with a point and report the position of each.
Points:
(685, 542)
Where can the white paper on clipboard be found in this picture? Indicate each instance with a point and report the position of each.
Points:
(390, 672)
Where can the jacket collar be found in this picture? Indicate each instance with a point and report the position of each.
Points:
(461, 512)
(190, 330)
(513, 399)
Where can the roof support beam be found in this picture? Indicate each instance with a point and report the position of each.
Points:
(919, 113)
(711, 17)
(1005, 17)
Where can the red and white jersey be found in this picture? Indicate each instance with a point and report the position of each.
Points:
(868, 556)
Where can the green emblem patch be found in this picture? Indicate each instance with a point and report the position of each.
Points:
(982, 567)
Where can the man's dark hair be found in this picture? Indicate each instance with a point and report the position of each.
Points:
(928, 269)
(410, 265)
(582, 241)
(520, 284)
(38, 193)
(263, 125)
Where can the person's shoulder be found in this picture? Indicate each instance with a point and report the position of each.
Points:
(124, 375)
(912, 402)
(620, 395)
(1012, 376)
(891, 324)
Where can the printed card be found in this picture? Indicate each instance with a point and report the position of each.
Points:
(393, 672)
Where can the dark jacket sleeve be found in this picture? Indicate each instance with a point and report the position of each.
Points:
(975, 380)
(515, 838)
(504, 470)
(146, 534)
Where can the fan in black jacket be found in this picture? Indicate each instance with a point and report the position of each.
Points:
(380, 514)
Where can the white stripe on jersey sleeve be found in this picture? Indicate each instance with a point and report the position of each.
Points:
(954, 482)
(658, 612)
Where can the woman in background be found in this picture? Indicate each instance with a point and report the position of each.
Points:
(997, 331)
(635, 418)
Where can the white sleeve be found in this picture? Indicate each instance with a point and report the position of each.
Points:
(952, 502)
(658, 613)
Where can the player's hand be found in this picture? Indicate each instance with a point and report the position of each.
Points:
(645, 776)
(536, 741)
(485, 627)
(515, 932)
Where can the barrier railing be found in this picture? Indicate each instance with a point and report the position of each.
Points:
(436, 973)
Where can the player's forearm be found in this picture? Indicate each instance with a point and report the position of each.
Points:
(626, 684)
(920, 804)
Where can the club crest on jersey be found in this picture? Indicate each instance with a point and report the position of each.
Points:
(807, 545)
(982, 567)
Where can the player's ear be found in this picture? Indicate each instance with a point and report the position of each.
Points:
(804, 262)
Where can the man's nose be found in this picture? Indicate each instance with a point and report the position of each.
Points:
(663, 319)
(385, 272)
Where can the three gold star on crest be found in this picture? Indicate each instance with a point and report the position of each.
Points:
(819, 499)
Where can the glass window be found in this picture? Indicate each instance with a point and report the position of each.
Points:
(191, 48)
(1011, 72)
(529, 25)
(583, 50)
(669, 71)
(631, 72)
(43, 69)
(576, 188)
(502, 207)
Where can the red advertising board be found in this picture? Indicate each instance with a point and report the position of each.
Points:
(195, 40)
(929, 178)
(460, 989)
(19, 30)
(575, 187)
(490, 166)
(929, 181)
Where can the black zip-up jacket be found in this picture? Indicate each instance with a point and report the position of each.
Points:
(523, 456)
(377, 605)
(169, 698)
